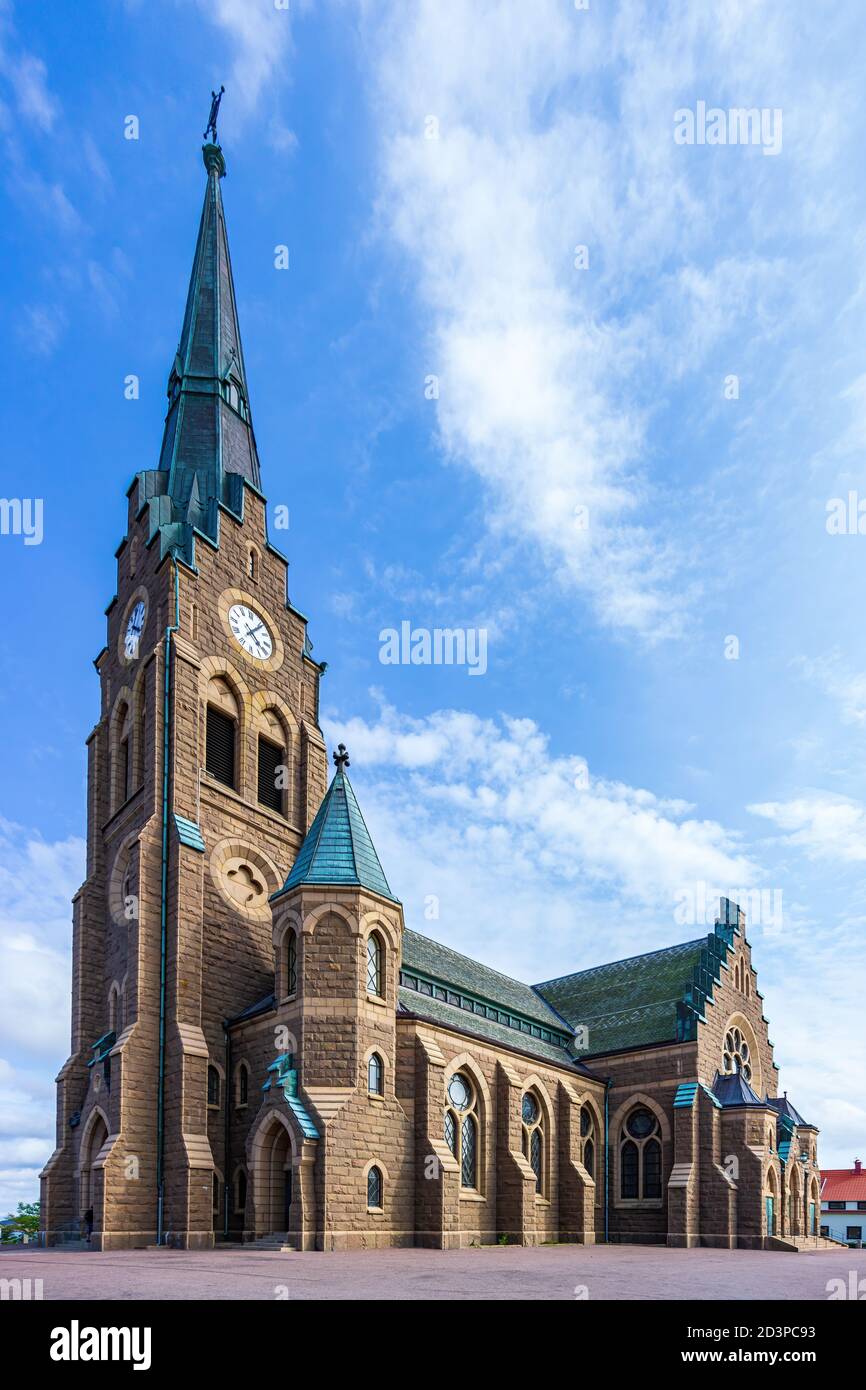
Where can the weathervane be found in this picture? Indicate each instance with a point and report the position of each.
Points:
(341, 757)
(216, 98)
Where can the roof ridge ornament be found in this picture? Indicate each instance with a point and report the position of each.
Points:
(341, 757)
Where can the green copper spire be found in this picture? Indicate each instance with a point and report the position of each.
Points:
(338, 849)
(208, 444)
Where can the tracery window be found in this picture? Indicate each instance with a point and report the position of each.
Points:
(587, 1134)
(640, 1156)
(736, 1054)
(461, 1127)
(534, 1140)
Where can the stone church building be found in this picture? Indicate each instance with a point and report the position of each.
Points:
(261, 1050)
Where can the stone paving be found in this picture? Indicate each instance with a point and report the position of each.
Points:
(548, 1272)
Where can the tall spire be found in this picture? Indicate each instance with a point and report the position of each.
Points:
(208, 443)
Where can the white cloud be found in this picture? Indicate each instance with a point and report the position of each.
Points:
(826, 826)
(533, 872)
(37, 881)
(553, 129)
(260, 35)
(28, 78)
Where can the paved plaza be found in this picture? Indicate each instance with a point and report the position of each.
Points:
(546, 1272)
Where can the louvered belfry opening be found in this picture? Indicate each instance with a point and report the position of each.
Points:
(271, 760)
(220, 754)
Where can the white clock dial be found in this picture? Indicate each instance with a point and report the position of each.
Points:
(251, 631)
(134, 629)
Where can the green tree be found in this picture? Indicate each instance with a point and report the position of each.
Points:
(24, 1222)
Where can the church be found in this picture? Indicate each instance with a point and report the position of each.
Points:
(261, 1050)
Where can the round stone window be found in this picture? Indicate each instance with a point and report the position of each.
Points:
(459, 1092)
(736, 1054)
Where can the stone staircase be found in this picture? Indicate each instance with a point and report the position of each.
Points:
(804, 1244)
(275, 1240)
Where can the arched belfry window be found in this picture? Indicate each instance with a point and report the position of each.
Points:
(640, 1156)
(532, 1120)
(461, 1128)
(375, 965)
(588, 1140)
(221, 733)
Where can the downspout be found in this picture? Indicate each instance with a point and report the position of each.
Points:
(228, 1184)
(608, 1085)
(163, 912)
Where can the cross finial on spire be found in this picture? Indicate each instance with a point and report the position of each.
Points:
(216, 98)
(341, 757)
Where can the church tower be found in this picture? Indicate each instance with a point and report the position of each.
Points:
(205, 771)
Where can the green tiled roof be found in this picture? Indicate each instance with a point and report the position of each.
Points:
(338, 849)
(448, 1016)
(437, 962)
(455, 991)
(653, 998)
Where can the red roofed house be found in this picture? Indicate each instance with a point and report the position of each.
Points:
(843, 1203)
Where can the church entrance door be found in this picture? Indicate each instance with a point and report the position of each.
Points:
(771, 1217)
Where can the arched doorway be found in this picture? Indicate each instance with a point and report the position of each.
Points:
(274, 1179)
(90, 1189)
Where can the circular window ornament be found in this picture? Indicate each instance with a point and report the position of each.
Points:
(459, 1092)
(641, 1123)
(529, 1109)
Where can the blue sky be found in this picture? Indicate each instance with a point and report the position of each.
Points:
(563, 807)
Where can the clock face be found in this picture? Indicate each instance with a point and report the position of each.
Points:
(251, 631)
(134, 629)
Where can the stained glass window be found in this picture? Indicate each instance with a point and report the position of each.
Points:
(451, 1132)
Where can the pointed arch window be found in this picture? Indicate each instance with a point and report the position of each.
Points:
(375, 1075)
(534, 1140)
(290, 966)
(243, 1092)
(213, 1086)
(461, 1128)
(375, 962)
(640, 1156)
(272, 775)
(220, 754)
(374, 1189)
(240, 1192)
(587, 1135)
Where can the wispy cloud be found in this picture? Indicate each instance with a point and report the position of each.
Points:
(823, 825)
